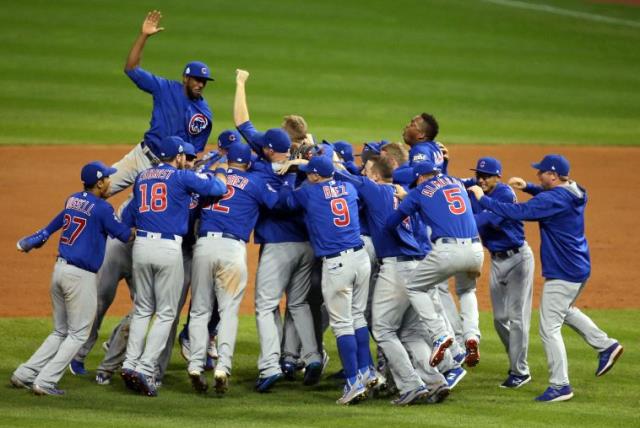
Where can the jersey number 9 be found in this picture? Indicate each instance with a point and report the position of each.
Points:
(340, 210)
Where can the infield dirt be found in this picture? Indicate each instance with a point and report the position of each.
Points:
(36, 181)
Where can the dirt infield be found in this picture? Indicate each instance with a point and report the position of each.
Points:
(36, 181)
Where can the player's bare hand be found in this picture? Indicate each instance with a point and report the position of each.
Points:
(241, 76)
(339, 166)
(517, 183)
(477, 191)
(288, 164)
(150, 26)
(400, 193)
(444, 150)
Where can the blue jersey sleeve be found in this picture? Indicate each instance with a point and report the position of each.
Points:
(203, 184)
(532, 189)
(129, 213)
(250, 134)
(406, 208)
(489, 218)
(55, 224)
(356, 180)
(267, 195)
(537, 208)
(145, 80)
(112, 225)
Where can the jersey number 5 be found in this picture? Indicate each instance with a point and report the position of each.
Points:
(340, 210)
(158, 202)
(68, 220)
(456, 203)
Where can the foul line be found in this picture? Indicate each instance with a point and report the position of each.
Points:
(566, 12)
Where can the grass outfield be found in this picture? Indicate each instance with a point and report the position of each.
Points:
(477, 401)
(492, 73)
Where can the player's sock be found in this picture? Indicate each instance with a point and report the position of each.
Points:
(348, 350)
(365, 360)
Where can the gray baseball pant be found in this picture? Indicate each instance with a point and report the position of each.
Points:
(115, 355)
(73, 296)
(219, 273)
(158, 273)
(511, 286)
(284, 268)
(132, 164)
(455, 348)
(556, 308)
(450, 311)
(373, 278)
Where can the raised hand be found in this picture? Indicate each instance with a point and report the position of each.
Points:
(241, 76)
(477, 191)
(517, 183)
(151, 22)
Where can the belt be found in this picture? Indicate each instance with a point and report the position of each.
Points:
(447, 240)
(402, 259)
(154, 235)
(505, 254)
(219, 235)
(342, 253)
(148, 153)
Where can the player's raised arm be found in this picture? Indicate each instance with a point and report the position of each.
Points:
(240, 108)
(150, 26)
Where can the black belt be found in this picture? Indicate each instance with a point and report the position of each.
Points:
(156, 235)
(447, 240)
(505, 254)
(403, 259)
(148, 153)
(219, 235)
(342, 253)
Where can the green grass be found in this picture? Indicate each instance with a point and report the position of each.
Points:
(477, 401)
(356, 70)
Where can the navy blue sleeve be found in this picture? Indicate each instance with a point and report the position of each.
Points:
(55, 224)
(145, 80)
(532, 189)
(250, 134)
(112, 225)
(489, 218)
(468, 182)
(129, 213)
(267, 195)
(356, 180)
(203, 184)
(541, 206)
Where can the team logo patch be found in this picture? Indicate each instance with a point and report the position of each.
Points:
(481, 164)
(198, 123)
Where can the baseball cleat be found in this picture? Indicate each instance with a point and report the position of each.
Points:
(43, 390)
(103, 378)
(439, 348)
(209, 364)
(352, 393)
(147, 384)
(264, 384)
(473, 353)
(454, 376)
(105, 346)
(608, 358)
(515, 381)
(439, 394)
(16, 382)
(459, 357)
(312, 373)
(130, 379)
(77, 368)
(288, 370)
(198, 381)
(185, 347)
(553, 394)
(221, 379)
(212, 349)
(411, 397)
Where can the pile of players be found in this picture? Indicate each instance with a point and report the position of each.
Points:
(369, 248)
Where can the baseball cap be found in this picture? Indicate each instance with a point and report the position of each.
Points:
(197, 69)
(94, 171)
(276, 139)
(228, 137)
(321, 165)
(169, 147)
(344, 149)
(189, 149)
(489, 166)
(424, 167)
(556, 163)
(239, 153)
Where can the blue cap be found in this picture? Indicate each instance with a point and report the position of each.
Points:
(489, 166)
(198, 69)
(239, 153)
(228, 137)
(189, 149)
(344, 149)
(424, 167)
(276, 139)
(321, 165)
(169, 147)
(556, 163)
(94, 171)
(373, 147)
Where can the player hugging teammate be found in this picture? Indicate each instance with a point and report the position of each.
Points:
(371, 248)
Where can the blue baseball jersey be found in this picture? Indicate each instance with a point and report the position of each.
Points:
(564, 251)
(237, 211)
(380, 201)
(250, 134)
(174, 113)
(444, 206)
(162, 196)
(330, 213)
(427, 150)
(86, 220)
(498, 233)
(403, 175)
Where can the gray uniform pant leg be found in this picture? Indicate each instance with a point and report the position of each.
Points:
(115, 355)
(390, 303)
(283, 267)
(291, 345)
(466, 291)
(375, 268)
(435, 294)
(128, 168)
(158, 273)
(450, 311)
(511, 286)
(73, 295)
(116, 266)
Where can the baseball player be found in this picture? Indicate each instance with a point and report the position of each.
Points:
(558, 206)
(178, 108)
(444, 206)
(160, 210)
(86, 220)
(331, 215)
(220, 264)
(286, 257)
(512, 265)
